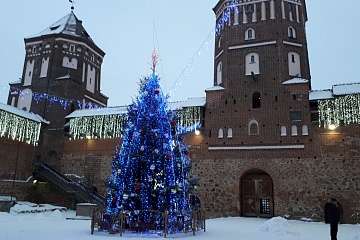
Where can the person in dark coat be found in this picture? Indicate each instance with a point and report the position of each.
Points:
(332, 217)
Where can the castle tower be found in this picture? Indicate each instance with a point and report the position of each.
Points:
(261, 76)
(62, 72)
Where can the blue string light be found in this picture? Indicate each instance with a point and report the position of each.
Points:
(226, 16)
(55, 100)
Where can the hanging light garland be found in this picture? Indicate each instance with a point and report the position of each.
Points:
(19, 128)
(344, 110)
(97, 127)
(189, 119)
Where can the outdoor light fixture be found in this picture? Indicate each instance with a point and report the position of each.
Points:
(197, 132)
(332, 127)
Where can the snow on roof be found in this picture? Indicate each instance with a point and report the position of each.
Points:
(24, 114)
(69, 25)
(121, 110)
(296, 80)
(67, 76)
(16, 81)
(320, 95)
(346, 89)
(215, 88)
(191, 102)
(337, 90)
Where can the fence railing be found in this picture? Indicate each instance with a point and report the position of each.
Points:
(122, 223)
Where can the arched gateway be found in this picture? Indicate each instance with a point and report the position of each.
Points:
(256, 194)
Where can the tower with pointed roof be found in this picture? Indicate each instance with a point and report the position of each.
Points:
(62, 72)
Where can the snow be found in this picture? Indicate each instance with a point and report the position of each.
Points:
(99, 112)
(67, 76)
(346, 89)
(190, 102)
(21, 113)
(295, 81)
(58, 225)
(320, 95)
(61, 26)
(28, 207)
(122, 110)
(7, 198)
(337, 90)
(215, 88)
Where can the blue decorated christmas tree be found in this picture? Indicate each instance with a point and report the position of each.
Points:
(150, 171)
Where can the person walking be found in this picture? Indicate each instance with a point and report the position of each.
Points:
(332, 217)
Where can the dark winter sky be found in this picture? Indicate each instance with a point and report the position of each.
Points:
(124, 30)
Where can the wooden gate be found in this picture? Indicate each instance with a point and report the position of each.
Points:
(256, 195)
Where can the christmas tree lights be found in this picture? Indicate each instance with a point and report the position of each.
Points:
(150, 172)
(344, 110)
(19, 129)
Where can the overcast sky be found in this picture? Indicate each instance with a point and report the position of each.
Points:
(125, 31)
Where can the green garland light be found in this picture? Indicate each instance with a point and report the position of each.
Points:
(19, 129)
(344, 110)
(111, 126)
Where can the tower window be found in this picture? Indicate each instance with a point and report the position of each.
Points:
(250, 34)
(230, 133)
(34, 49)
(305, 130)
(252, 64)
(72, 48)
(221, 133)
(256, 100)
(294, 130)
(252, 60)
(253, 128)
(291, 32)
(219, 73)
(294, 64)
(283, 131)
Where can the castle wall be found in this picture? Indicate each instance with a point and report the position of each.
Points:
(303, 179)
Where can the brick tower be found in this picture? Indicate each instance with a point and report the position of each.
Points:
(62, 72)
(262, 75)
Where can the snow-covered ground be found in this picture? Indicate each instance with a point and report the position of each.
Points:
(54, 226)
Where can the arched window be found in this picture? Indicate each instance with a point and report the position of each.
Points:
(250, 34)
(252, 66)
(219, 73)
(230, 133)
(256, 100)
(253, 128)
(221, 133)
(305, 130)
(291, 32)
(294, 130)
(283, 131)
(294, 64)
